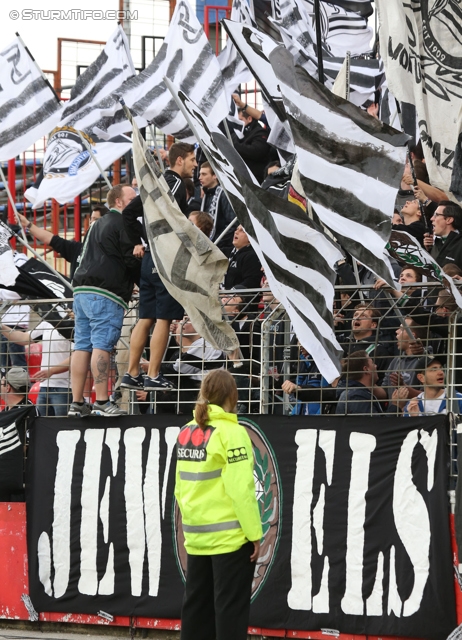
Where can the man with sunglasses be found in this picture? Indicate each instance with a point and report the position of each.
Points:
(446, 247)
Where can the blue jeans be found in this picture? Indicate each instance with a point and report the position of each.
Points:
(11, 354)
(98, 322)
(53, 401)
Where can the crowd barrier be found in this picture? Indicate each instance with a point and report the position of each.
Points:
(269, 355)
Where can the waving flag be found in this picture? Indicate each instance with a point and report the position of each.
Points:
(189, 264)
(297, 31)
(350, 163)
(233, 68)
(186, 58)
(297, 258)
(68, 167)
(422, 49)
(28, 107)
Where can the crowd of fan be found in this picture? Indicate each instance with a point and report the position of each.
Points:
(394, 342)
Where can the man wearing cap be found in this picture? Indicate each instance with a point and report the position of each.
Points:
(14, 387)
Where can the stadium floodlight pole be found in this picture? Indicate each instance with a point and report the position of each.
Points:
(94, 158)
(36, 254)
(317, 17)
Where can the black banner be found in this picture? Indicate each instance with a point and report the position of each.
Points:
(354, 511)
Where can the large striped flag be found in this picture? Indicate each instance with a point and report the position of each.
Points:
(233, 68)
(298, 35)
(189, 264)
(298, 259)
(351, 164)
(28, 107)
(421, 44)
(68, 166)
(185, 57)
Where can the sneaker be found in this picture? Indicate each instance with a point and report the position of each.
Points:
(132, 382)
(157, 383)
(77, 410)
(107, 409)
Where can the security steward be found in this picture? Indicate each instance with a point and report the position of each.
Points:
(221, 519)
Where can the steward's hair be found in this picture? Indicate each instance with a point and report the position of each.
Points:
(218, 387)
(179, 150)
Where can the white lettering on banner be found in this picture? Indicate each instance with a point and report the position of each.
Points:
(67, 443)
(88, 581)
(411, 519)
(142, 496)
(136, 538)
(362, 445)
(152, 513)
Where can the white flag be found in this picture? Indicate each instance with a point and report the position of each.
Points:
(68, 167)
(28, 107)
(422, 51)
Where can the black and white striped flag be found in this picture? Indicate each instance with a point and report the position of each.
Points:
(233, 68)
(28, 107)
(68, 167)
(298, 260)
(189, 264)
(298, 35)
(187, 59)
(351, 164)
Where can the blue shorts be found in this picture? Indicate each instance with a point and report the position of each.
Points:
(98, 322)
(155, 301)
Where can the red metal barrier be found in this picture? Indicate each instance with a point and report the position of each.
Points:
(14, 584)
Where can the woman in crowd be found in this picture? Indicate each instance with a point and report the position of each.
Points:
(221, 519)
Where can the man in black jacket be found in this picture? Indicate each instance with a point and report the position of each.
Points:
(103, 285)
(70, 250)
(157, 307)
(253, 147)
(244, 266)
(217, 205)
(447, 226)
(357, 398)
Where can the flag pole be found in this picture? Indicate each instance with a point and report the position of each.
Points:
(228, 133)
(414, 178)
(347, 74)
(94, 158)
(317, 17)
(37, 255)
(151, 129)
(12, 202)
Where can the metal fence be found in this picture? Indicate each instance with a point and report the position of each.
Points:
(274, 373)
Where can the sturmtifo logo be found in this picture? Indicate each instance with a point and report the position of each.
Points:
(269, 495)
(66, 154)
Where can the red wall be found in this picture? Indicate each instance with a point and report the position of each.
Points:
(14, 583)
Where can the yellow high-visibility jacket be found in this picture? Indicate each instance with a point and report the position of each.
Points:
(214, 485)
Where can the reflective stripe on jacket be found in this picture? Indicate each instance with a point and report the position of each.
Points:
(215, 487)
